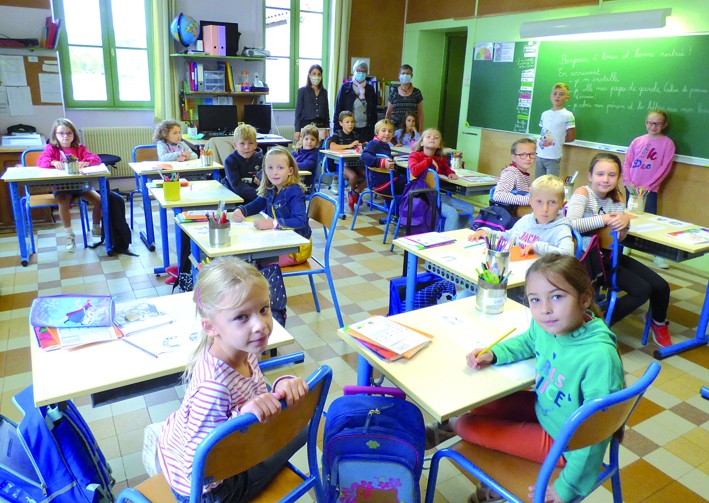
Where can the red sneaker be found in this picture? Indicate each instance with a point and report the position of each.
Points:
(352, 198)
(172, 270)
(661, 334)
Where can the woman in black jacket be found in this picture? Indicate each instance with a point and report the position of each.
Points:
(358, 97)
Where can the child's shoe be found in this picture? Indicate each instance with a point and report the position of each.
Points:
(437, 433)
(660, 262)
(172, 270)
(96, 231)
(70, 244)
(352, 198)
(661, 334)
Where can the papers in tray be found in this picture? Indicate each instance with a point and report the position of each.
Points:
(691, 236)
(90, 170)
(51, 338)
(429, 239)
(193, 216)
(134, 317)
(387, 338)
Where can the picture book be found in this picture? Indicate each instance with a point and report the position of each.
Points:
(51, 338)
(429, 239)
(133, 317)
(692, 236)
(73, 310)
(395, 339)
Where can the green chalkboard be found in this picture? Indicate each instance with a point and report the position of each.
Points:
(613, 84)
(497, 89)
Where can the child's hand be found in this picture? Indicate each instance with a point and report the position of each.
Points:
(263, 224)
(237, 216)
(618, 221)
(354, 144)
(296, 136)
(389, 164)
(551, 496)
(264, 407)
(476, 361)
(452, 176)
(527, 250)
(291, 389)
(58, 164)
(479, 234)
(83, 164)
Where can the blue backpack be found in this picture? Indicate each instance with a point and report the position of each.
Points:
(51, 456)
(373, 447)
(496, 218)
(418, 207)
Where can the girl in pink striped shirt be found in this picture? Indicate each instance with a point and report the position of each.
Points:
(224, 380)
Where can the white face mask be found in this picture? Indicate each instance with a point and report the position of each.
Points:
(315, 80)
(405, 78)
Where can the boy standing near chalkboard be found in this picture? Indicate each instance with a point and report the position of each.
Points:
(558, 126)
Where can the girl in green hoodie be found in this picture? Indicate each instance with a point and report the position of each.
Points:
(576, 360)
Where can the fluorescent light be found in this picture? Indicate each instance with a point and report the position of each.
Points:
(619, 21)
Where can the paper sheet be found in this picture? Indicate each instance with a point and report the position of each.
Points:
(12, 71)
(50, 89)
(20, 100)
(4, 107)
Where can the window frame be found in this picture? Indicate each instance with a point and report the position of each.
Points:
(108, 44)
(294, 58)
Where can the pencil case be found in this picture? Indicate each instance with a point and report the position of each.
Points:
(72, 311)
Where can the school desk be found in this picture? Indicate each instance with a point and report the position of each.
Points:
(204, 194)
(340, 156)
(469, 183)
(263, 140)
(115, 370)
(649, 233)
(154, 169)
(437, 378)
(455, 262)
(34, 176)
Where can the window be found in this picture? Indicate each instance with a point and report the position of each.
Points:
(105, 55)
(294, 46)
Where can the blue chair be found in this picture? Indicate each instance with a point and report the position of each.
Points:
(593, 422)
(139, 154)
(254, 442)
(29, 201)
(391, 198)
(578, 243)
(324, 168)
(324, 210)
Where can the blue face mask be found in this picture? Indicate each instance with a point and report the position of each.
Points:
(360, 76)
(405, 78)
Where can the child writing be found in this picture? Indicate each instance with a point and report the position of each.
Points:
(377, 153)
(545, 230)
(281, 202)
(224, 380)
(407, 132)
(558, 127)
(648, 162)
(64, 142)
(513, 185)
(600, 204)
(344, 139)
(244, 162)
(168, 137)
(576, 360)
(306, 151)
(428, 153)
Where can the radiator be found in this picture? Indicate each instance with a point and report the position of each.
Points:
(117, 141)
(284, 131)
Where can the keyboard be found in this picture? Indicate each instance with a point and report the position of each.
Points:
(214, 134)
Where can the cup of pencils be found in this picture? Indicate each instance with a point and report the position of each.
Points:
(636, 199)
(219, 229)
(171, 187)
(568, 191)
(497, 256)
(206, 157)
(491, 294)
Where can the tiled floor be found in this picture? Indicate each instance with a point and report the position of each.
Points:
(665, 455)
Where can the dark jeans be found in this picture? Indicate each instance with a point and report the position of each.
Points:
(640, 284)
(244, 486)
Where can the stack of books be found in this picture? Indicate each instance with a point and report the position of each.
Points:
(388, 339)
(50, 33)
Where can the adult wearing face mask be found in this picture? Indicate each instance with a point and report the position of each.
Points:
(311, 105)
(405, 99)
(358, 97)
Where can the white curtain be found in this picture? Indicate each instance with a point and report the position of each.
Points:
(166, 89)
(339, 40)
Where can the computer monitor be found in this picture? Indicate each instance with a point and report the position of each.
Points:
(259, 116)
(221, 119)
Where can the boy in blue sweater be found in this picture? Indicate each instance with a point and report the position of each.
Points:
(306, 151)
(377, 154)
(244, 162)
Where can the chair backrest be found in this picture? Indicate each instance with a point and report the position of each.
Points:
(255, 442)
(29, 157)
(595, 421)
(323, 209)
(578, 243)
(145, 153)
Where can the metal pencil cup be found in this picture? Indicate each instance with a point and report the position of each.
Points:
(498, 261)
(219, 234)
(207, 159)
(172, 190)
(71, 168)
(568, 192)
(491, 297)
(636, 204)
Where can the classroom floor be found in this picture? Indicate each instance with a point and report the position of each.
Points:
(665, 455)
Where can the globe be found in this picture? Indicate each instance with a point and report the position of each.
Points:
(184, 29)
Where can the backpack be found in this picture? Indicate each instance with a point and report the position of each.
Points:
(51, 455)
(121, 237)
(373, 447)
(431, 289)
(418, 210)
(495, 218)
(595, 263)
